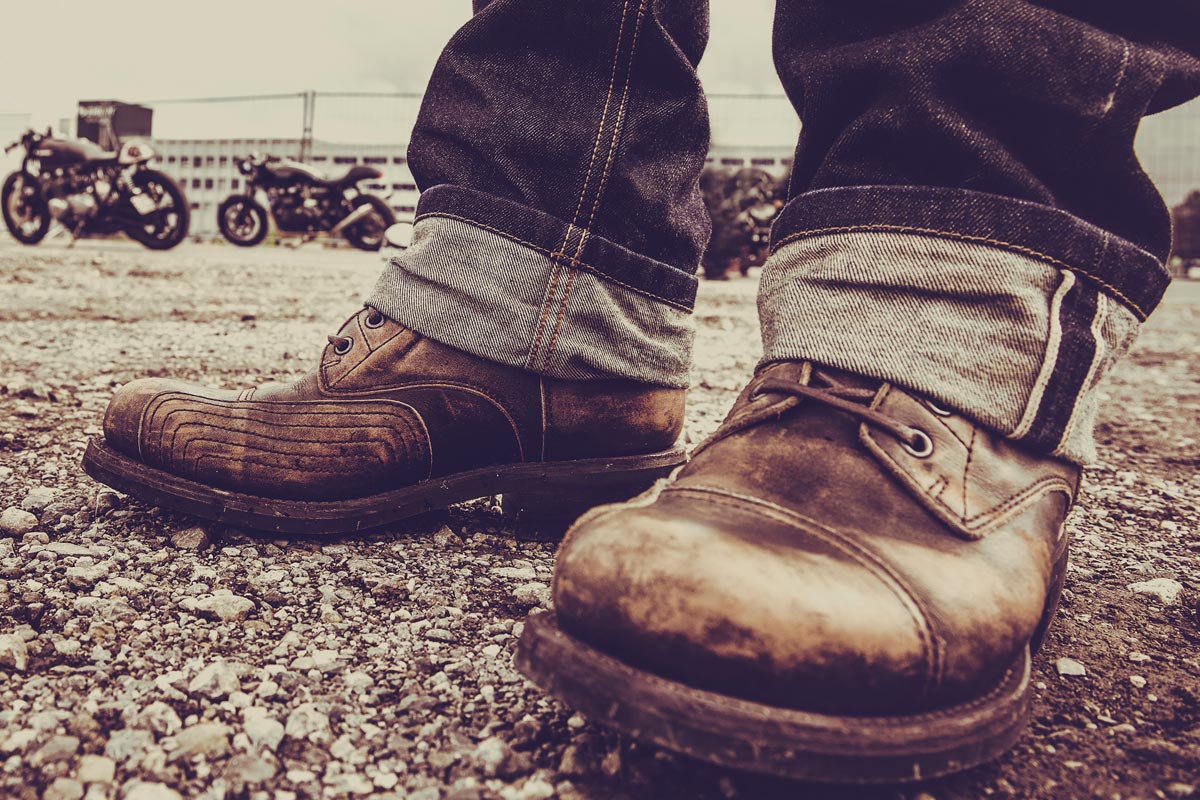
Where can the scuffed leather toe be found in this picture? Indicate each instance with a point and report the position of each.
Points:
(747, 602)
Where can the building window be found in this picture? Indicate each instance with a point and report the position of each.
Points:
(195, 206)
(345, 160)
(399, 160)
(197, 161)
(208, 183)
(224, 161)
(404, 187)
(406, 209)
(375, 160)
(195, 183)
(733, 162)
(318, 159)
(221, 183)
(170, 159)
(762, 162)
(209, 161)
(234, 184)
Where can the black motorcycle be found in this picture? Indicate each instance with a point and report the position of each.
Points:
(91, 191)
(303, 201)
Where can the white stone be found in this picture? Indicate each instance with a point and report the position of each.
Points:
(1070, 667)
(16, 522)
(215, 681)
(14, 653)
(225, 607)
(160, 718)
(307, 722)
(152, 791)
(95, 769)
(1166, 590)
(261, 728)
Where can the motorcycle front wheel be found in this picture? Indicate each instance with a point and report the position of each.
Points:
(368, 233)
(26, 214)
(166, 224)
(242, 220)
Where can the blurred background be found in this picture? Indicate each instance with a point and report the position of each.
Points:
(336, 86)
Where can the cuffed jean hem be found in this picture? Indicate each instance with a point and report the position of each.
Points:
(1125, 272)
(1015, 342)
(484, 280)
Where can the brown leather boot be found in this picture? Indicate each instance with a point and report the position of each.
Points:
(391, 424)
(844, 584)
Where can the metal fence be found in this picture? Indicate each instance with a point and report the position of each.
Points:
(335, 129)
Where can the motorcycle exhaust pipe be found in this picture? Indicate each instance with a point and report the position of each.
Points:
(351, 218)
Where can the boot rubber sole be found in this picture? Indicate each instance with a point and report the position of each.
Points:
(783, 742)
(540, 500)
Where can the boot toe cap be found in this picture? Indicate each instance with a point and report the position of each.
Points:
(126, 412)
(739, 600)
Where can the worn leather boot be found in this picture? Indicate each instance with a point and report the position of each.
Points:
(844, 584)
(390, 425)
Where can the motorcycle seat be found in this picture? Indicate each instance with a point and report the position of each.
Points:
(352, 176)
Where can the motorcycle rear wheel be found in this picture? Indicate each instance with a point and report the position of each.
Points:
(26, 214)
(368, 234)
(167, 225)
(242, 220)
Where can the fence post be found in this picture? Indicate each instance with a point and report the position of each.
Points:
(306, 137)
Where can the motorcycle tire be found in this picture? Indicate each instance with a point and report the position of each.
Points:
(233, 214)
(161, 187)
(364, 235)
(38, 207)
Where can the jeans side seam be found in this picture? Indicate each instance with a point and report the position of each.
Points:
(548, 303)
(585, 266)
(612, 150)
(1138, 310)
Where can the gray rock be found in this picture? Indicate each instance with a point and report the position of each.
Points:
(37, 499)
(95, 769)
(152, 791)
(17, 522)
(57, 748)
(309, 723)
(494, 758)
(8, 548)
(348, 783)
(248, 769)
(440, 635)
(126, 743)
(68, 549)
(14, 653)
(86, 577)
(206, 740)
(262, 729)
(221, 605)
(1165, 589)
(215, 681)
(191, 539)
(160, 718)
(63, 789)
(1068, 667)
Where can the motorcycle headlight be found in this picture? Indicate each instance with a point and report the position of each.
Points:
(245, 167)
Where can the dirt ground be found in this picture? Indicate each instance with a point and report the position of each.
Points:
(142, 655)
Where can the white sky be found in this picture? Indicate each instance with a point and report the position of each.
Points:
(140, 50)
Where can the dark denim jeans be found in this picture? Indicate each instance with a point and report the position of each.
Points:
(560, 225)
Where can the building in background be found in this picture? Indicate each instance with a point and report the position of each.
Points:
(109, 122)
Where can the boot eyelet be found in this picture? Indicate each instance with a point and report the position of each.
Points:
(374, 320)
(936, 409)
(920, 446)
(344, 346)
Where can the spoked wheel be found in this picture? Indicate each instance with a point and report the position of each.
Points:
(161, 209)
(25, 212)
(242, 220)
(368, 233)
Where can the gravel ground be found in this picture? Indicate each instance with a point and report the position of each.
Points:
(143, 656)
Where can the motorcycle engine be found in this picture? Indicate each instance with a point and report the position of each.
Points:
(75, 197)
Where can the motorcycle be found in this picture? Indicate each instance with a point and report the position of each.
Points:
(91, 191)
(303, 200)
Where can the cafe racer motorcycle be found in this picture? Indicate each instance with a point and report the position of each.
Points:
(91, 191)
(302, 200)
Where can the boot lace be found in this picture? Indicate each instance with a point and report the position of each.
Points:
(853, 400)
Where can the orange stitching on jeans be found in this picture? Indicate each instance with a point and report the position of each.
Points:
(537, 339)
(562, 312)
(612, 151)
(1138, 310)
(612, 148)
(554, 255)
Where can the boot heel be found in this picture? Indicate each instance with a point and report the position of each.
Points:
(544, 513)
